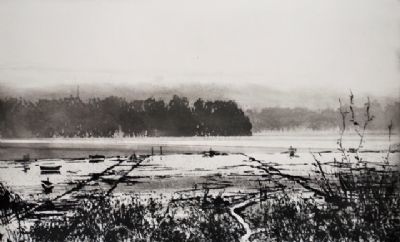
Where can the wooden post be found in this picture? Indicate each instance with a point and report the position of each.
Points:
(160, 150)
(152, 150)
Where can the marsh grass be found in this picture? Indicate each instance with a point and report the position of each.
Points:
(133, 219)
(11, 205)
(367, 211)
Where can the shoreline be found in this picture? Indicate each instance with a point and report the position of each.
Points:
(80, 147)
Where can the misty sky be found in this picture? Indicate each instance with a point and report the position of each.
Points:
(279, 44)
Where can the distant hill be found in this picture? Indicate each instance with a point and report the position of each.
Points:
(275, 118)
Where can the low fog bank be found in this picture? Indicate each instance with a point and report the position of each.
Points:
(247, 95)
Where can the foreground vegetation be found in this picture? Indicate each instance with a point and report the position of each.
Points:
(368, 210)
(103, 218)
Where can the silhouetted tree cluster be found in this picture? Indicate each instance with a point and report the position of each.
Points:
(280, 119)
(214, 118)
(72, 117)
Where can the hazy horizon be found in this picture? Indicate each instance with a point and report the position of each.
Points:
(247, 96)
(259, 53)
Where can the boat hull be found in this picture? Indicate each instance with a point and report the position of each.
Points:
(50, 168)
(47, 188)
(96, 158)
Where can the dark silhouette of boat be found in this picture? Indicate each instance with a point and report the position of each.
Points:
(47, 186)
(49, 168)
(292, 152)
(26, 168)
(96, 158)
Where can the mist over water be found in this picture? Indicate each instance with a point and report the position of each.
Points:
(261, 143)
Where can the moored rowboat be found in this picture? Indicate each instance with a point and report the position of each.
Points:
(50, 167)
(47, 186)
(96, 158)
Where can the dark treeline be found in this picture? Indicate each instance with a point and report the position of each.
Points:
(72, 117)
(280, 119)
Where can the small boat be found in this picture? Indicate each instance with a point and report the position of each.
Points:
(47, 186)
(96, 158)
(211, 153)
(26, 168)
(49, 168)
(292, 152)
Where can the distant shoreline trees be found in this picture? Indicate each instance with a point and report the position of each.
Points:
(286, 119)
(72, 117)
(111, 116)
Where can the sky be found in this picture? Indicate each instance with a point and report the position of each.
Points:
(284, 45)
